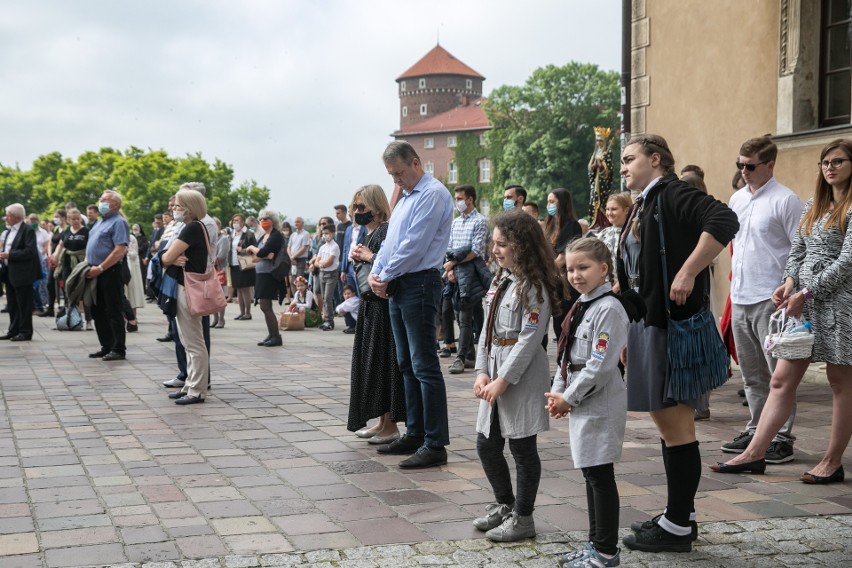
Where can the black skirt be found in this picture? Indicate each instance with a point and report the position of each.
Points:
(242, 278)
(266, 287)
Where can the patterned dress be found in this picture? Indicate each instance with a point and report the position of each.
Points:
(822, 262)
(376, 381)
(610, 237)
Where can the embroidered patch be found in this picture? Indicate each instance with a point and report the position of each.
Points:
(601, 344)
(533, 318)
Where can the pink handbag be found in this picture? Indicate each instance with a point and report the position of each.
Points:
(204, 295)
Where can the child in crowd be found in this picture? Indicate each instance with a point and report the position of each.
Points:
(512, 372)
(589, 388)
(303, 299)
(349, 308)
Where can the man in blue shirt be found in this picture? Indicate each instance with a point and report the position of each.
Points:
(406, 271)
(105, 249)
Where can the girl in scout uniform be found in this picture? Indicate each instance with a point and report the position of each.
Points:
(588, 388)
(512, 373)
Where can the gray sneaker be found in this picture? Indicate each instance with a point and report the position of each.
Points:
(174, 383)
(515, 527)
(457, 367)
(779, 452)
(495, 514)
(739, 444)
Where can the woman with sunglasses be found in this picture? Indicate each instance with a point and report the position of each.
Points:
(816, 288)
(272, 263)
(377, 386)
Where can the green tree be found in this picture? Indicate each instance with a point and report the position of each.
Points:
(541, 133)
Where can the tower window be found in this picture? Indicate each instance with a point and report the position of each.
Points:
(402, 85)
(423, 109)
(422, 83)
(405, 111)
(468, 84)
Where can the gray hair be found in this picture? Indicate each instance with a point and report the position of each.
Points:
(114, 194)
(399, 150)
(195, 186)
(17, 210)
(273, 216)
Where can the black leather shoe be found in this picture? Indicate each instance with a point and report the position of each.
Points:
(836, 477)
(165, 338)
(273, 342)
(189, 400)
(404, 446)
(131, 327)
(757, 467)
(263, 341)
(98, 354)
(21, 337)
(46, 314)
(114, 356)
(425, 457)
(176, 394)
(7, 336)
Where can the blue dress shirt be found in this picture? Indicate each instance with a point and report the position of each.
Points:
(419, 231)
(107, 233)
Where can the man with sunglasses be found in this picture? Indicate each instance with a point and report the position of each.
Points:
(769, 214)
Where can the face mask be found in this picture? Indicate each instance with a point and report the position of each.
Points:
(508, 204)
(286, 233)
(266, 225)
(34, 225)
(461, 205)
(326, 238)
(551, 210)
(364, 218)
(237, 227)
(137, 232)
(178, 215)
(56, 220)
(103, 208)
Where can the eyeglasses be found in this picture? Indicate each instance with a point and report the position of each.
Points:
(750, 167)
(833, 164)
(360, 207)
(265, 219)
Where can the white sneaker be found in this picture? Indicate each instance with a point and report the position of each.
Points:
(176, 382)
(89, 326)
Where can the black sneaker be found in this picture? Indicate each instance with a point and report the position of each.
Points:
(739, 444)
(657, 539)
(779, 452)
(639, 526)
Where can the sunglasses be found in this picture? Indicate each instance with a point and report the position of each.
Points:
(750, 167)
(360, 208)
(833, 164)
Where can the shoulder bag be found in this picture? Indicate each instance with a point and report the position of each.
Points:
(204, 295)
(697, 358)
(362, 274)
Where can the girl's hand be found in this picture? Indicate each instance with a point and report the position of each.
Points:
(481, 381)
(794, 306)
(556, 405)
(492, 391)
(780, 295)
(239, 249)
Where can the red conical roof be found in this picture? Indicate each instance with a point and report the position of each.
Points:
(439, 61)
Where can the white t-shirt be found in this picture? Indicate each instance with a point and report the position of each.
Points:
(329, 250)
(299, 239)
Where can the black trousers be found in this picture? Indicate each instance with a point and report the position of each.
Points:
(107, 313)
(527, 464)
(448, 323)
(602, 497)
(20, 302)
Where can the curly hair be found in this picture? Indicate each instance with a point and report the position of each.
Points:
(534, 265)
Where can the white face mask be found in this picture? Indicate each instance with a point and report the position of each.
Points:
(178, 215)
(237, 227)
(326, 238)
(461, 205)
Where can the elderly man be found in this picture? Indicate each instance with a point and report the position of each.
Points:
(19, 268)
(298, 246)
(105, 250)
(406, 270)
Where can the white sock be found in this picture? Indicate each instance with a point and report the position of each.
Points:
(693, 516)
(673, 528)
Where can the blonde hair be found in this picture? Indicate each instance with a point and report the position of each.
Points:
(595, 249)
(622, 199)
(193, 202)
(375, 200)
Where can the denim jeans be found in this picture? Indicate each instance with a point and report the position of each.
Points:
(413, 313)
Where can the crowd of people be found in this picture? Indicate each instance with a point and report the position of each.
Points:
(417, 282)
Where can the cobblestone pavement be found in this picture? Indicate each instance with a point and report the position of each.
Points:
(98, 467)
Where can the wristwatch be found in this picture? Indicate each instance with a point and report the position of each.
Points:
(807, 294)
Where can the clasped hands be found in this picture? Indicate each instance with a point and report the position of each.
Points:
(489, 390)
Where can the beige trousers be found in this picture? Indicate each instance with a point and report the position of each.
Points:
(191, 335)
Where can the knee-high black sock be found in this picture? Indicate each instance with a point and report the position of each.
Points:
(665, 455)
(683, 475)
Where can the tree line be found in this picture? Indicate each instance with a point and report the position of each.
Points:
(145, 180)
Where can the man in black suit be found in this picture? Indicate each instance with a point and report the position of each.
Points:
(21, 267)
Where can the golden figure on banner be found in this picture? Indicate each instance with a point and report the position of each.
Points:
(600, 178)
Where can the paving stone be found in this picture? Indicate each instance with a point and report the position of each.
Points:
(152, 552)
(306, 524)
(257, 543)
(242, 525)
(234, 561)
(19, 543)
(201, 547)
(100, 554)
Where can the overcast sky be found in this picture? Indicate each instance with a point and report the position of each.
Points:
(298, 95)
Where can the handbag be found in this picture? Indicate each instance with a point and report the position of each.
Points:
(697, 358)
(71, 320)
(246, 262)
(362, 271)
(291, 321)
(204, 295)
(784, 341)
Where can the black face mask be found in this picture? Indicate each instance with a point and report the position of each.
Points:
(364, 218)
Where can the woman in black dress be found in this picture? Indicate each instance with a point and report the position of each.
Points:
(560, 228)
(270, 252)
(242, 281)
(377, 386)
(70, 250)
